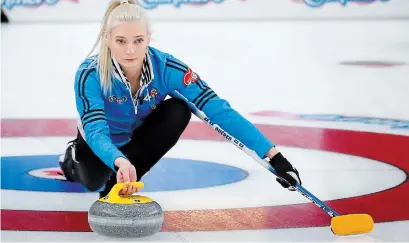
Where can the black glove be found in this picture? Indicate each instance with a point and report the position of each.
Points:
(285, 170)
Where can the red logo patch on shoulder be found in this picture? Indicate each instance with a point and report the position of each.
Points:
(190, 77)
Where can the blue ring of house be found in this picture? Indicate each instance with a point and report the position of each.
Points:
(41, 173)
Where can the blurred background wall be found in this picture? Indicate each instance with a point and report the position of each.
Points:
(299, 47)
(210, 10)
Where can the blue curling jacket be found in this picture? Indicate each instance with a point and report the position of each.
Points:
(108, 121)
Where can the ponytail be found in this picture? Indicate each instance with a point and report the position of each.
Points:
(118, 11)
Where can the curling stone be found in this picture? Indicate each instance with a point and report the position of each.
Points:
(131, 216)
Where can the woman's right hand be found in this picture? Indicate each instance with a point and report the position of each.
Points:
(126, 173)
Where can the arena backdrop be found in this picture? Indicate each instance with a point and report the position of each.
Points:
(210, 10)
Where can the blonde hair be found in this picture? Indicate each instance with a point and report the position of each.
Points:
(117, 12)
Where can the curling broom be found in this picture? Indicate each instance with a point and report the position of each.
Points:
(341, 225)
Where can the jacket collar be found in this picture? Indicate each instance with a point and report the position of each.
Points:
(147, 74)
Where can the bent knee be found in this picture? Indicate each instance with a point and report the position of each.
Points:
(92, 186)
(179, 111)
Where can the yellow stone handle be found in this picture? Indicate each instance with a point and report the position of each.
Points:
(114, 197)
(114, 193)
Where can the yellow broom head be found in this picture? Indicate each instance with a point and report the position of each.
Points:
(352, 224)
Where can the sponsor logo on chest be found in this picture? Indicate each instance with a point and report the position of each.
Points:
(113, 98)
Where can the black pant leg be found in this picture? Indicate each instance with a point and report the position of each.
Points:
(150, 142)
(159, 133)
(82, 165)
(154, 138)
